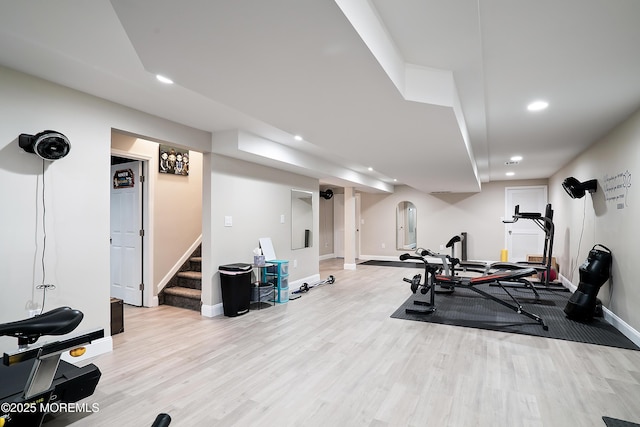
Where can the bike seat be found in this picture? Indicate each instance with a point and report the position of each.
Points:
(58, 321)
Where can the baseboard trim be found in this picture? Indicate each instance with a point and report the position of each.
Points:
(327, 256)
(567, 283)
(622, 326)
(295, 285)
(610, 317)
(379, 257)
(211, 310)
(349, 266)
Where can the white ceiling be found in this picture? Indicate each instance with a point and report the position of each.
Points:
(432, 93)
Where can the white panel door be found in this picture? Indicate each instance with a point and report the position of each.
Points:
(126, 239)
(524, 237)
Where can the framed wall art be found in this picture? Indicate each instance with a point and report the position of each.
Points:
(173, 161)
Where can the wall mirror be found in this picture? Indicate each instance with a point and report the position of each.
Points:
(406, 231)
(301, 219)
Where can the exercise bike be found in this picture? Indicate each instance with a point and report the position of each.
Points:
(34, 378)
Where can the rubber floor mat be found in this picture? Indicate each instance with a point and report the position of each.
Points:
(465, 308)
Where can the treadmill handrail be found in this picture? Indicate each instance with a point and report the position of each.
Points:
(52, 348)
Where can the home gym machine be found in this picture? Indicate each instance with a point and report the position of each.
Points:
(464, 263)
(545, 222)
(450, 280)
(34, 378)
(594, 272)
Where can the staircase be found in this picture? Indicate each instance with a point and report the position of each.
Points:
(185, 288)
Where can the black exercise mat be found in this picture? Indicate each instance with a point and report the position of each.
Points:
(614, 422)
(466, 308)
(408, 264)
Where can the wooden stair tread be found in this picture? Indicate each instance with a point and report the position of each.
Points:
(184, 292)
(196, 259)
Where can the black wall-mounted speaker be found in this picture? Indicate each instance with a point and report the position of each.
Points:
(48, 145)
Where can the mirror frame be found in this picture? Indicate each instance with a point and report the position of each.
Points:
(301, 219)
(406, 226)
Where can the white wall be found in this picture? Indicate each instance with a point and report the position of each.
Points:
(255, 197)
(77, 196)
(439, 217)
(609, 216)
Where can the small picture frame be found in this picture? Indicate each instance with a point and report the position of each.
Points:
(173, 161)
(123, 178)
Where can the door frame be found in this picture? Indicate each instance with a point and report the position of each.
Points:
(148, 299)
(338, 221)
(358, 223)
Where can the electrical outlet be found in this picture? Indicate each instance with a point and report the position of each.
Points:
(441, 247)
(295, 263)
(384, 246)
(33, 313)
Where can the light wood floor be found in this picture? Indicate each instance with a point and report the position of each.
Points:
(335, 358)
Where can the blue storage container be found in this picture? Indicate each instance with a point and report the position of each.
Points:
(279, 267)
(279, 282)
(282, 295)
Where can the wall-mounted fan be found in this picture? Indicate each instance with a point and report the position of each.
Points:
(48, 145)
(327, 194)
(576, 189)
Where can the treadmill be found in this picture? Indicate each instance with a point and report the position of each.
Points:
(34, 379)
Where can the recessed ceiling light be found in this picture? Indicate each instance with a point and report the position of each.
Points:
(510, 173)
(537, 106)
(297, 138)
(516, 158)
(370, 169)
(164, 79)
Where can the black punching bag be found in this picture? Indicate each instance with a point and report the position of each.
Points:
(593, 274)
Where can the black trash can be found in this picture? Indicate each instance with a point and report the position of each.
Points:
(235, 280)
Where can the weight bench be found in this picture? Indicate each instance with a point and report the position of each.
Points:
(471, 283)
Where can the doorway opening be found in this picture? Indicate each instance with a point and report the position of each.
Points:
(129, 263)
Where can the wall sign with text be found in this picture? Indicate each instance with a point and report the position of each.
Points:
(123, 178)
(616, 188)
